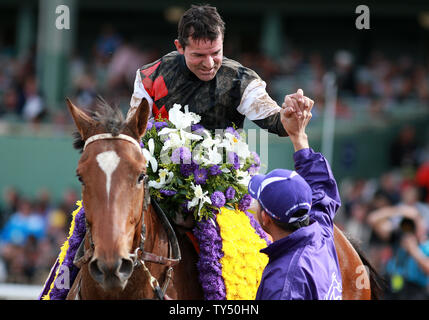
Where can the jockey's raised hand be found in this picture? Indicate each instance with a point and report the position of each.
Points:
(298, 102)
(295, 117)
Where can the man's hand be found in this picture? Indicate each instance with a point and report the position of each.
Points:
(298, 102)
(295, 116)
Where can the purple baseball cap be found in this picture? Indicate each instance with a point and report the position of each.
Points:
(281, 193)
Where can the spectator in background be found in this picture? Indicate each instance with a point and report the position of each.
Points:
(9, 107)
(21, 224)
(20, 236)
(403, 151)
(34, 109)
(345, 72)
(86, 91)
(126, 59)
(410, 197)
(356, 225)
(408, 269)
(107, 43)
(11, 199)
(389, 186)
(422, 180)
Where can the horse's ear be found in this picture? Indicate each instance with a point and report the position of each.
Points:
(137, 122)
(82, 121)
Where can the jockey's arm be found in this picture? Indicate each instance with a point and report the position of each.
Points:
(312, 166)
(138, 94)
(259, 107)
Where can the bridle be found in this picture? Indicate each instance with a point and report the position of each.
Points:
(139, 256)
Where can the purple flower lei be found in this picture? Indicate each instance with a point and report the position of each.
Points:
(258, 229)
(74, 242)
(208, 265)
(245, 202)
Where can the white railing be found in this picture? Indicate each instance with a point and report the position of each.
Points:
(13, 291)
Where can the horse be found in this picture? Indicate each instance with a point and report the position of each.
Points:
(124, 253)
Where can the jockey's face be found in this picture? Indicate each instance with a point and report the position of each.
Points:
(203, 57)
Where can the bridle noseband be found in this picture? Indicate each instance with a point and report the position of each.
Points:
(139, 256)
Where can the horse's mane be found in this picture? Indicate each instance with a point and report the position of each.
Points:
(107, 116)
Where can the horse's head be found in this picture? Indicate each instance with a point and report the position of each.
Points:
(111, 170)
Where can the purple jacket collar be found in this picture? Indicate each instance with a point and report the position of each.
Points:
(292, 242)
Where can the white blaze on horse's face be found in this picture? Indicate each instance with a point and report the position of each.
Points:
(108, 162)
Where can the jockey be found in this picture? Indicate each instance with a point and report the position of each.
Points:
(220, 90)
(297, 209)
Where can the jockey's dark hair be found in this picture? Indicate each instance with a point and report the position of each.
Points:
(200, 22)
(108, 116)
(291, 227)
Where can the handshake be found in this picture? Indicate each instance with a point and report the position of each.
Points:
(295, 116)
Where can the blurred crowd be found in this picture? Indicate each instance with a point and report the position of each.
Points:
(389, 216)
(108, 71)
(32, 232)
(374, 84)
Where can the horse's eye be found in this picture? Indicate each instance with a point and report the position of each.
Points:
(141, 178)
(80, 179)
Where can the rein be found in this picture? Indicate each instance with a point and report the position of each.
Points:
(140, 256)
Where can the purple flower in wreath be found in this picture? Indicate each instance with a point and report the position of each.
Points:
(167, 192)
(232, 131)
(218, 199)
(187, 169)
(254, 168)
(149, 125)
(234, 160)
(160, 124)
(184, 206)
(215, 170)
(141, 144)
(245, 202)
(256, 158)
(197, 128)
(181, 155)
(230, 193)
(200, 175)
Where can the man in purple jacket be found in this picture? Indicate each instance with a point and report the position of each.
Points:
(297, 209)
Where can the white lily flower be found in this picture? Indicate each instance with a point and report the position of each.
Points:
(182, 120)
(243, 177)
(199, 199)
(212, 156)
(165, 178)
(231, 143)
(208, 142)
(174, 141)
(149, 155)
(242, 149)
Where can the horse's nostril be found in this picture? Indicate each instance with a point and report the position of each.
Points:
(125, 268)
(95, 271)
